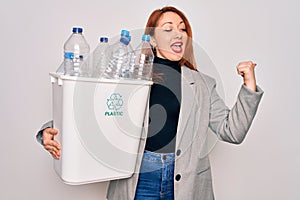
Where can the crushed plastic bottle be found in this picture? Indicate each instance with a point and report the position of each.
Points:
(118, 57)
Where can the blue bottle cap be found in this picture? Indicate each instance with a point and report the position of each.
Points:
(125, 33)
(143, 37)
(124, 40)
(103, 39)
(77, 30)
(69, 55)
(148, 37)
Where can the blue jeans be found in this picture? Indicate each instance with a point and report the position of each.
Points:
(156, 178)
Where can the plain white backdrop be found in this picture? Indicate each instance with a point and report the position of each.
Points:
(264, 167)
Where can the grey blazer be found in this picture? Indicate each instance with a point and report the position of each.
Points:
(201, 109)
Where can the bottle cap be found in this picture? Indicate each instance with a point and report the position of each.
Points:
(77, 30)
(103, 39)
(124, 33)
(146, 38)
(124, 40)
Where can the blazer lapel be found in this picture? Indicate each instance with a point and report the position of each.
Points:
(187, 100)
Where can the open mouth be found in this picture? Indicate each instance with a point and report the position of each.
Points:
(177, 47)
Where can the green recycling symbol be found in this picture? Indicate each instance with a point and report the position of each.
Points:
(115, 102)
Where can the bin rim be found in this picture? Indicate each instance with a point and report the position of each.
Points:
(100, 80)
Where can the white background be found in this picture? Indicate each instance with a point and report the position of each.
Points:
(265, 166)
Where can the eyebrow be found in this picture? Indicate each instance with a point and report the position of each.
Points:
(171, 23)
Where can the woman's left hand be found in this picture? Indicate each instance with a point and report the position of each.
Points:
(246, 70)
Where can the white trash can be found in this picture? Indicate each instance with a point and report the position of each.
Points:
(100, 122)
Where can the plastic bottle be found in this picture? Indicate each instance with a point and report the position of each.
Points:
(78, 45)
(131, 63)
(118, 57)
(67, 67)
(80, 66)
(143, 59)
(127, 69)
(100, 60)
(68, 63)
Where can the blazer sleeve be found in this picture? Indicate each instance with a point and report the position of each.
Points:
(39, 135)
(233, 125)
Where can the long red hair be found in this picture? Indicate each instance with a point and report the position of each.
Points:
(188, 58)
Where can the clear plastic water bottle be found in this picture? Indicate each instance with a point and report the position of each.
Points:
(131, 63)
(78, 45)
(118, 57)
(126, 69)
(80, 67)
(67, 67)
(100, 60)
(143, 59)
(68, 64)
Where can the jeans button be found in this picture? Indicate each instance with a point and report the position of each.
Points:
(164, 157)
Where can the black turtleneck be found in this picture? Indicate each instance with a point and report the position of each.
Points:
(165, 98)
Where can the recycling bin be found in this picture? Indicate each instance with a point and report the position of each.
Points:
(100, 122)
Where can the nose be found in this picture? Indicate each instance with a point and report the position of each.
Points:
(178, 34)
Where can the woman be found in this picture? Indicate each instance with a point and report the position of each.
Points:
(184, 104)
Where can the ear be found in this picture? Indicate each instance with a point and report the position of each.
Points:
(152, 41)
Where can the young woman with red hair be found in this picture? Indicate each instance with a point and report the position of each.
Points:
(184, 104)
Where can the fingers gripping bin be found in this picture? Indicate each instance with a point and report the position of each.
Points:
(100, 124)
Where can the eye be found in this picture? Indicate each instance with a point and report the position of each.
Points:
(184, 30)
(168, 30)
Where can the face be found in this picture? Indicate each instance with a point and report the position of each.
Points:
(170, 37)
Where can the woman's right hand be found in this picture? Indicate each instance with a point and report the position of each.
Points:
(51, 145)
